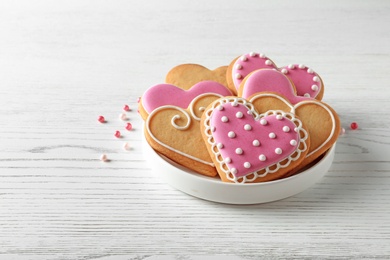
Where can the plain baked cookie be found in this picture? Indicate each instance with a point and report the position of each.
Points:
(186, 75)
(248, 147)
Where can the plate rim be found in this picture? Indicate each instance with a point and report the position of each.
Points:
(182, 182)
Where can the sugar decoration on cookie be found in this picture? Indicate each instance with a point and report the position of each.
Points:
(250, 146)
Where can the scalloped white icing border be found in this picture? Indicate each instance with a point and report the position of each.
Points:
(243, 179)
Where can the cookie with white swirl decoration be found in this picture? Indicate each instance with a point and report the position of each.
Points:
(248, 147)
(172, 118)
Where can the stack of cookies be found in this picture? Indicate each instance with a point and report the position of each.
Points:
(248, 122)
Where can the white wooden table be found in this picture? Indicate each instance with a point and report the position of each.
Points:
(64, 63)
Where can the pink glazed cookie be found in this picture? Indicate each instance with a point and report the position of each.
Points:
(241, 66)
(306, 81)
(247, 147)
(172, 118)
(168, 94)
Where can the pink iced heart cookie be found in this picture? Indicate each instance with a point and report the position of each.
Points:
(168, 94)
(269, 80)
(248, 147)
(306, 81)
(240, 67)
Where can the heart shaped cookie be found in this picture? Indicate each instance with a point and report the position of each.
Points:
(186, 75)
(306, 81)
(320, 120)
(241, 66)
(269, 80)
(168, 94)
(174, 132)
(248, 147)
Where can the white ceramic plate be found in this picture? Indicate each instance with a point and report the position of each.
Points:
(213, 189)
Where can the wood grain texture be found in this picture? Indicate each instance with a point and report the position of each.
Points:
(64, 63)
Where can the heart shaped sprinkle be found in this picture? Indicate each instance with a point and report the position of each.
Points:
(247, 144)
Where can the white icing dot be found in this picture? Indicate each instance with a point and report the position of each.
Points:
(238, 66)
(296, 129)
(233, 170)
(220, 145)
(232, 134)
(238, 76)
(249, 112)
(234, 103)
(220, 107)
(252, 54)
(286, 129)
(284, 71)
(272, 135)
(247, 127)
(306, 95)
(314, 87)
(224, 119)
(316, 79)
(262, 157)
(293, 142)
(263, 121)
(247, 165)
(243, 58)
(239, 115)
(310, 71)
(268, 62)
(301, 66)
(262, 55)
(279, 117)
(278, 150)
(227, 160)
(212, 129)
(291, 66)
(239, 151)
(256, 143)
